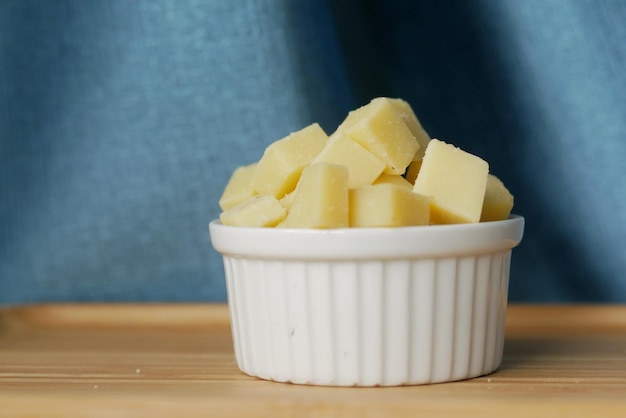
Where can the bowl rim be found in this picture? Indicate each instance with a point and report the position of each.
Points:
(427, 241)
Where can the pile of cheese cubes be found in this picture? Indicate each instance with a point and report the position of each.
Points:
(378, 169)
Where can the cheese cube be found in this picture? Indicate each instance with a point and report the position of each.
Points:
(320, 199)
(455, 180)
(498, 201)
(387, 205)
(380, 129)
(282, 162)
(263, 210)
(412, 122)
(239, 187)
(363, 166)
(393, 179)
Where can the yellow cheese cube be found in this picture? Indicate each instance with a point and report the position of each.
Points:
(239, 187)
(455, 180)
(263, 210)
(413, 170)
(412, 122)
(498, 201)
(282, 162)
(387, 205)
(320, 199)
(380, 129)
(363, 166)
(393, 179)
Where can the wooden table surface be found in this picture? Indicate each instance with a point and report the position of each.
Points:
(177, 361)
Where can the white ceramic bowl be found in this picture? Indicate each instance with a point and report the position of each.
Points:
(368, 306)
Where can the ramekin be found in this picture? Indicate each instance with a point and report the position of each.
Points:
(368, 306)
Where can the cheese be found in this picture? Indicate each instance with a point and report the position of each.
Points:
(287, 200)
(282, 162)
(320, 199)
(379, 168)
(393, 179)
(413, 170)
(239, 187)
(498, 201)
(387, 205)
(455, 180)
(380, 129)
(363, 166)
(412, 122)
(260, 211)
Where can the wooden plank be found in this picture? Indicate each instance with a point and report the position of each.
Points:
(177, 360)
(115, 315)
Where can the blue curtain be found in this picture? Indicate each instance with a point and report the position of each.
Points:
(121, 121)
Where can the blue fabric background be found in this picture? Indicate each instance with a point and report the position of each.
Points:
(121, 121)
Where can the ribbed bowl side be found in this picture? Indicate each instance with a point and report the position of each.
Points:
(386, 323)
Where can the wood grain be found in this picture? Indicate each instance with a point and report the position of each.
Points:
(177, 360)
